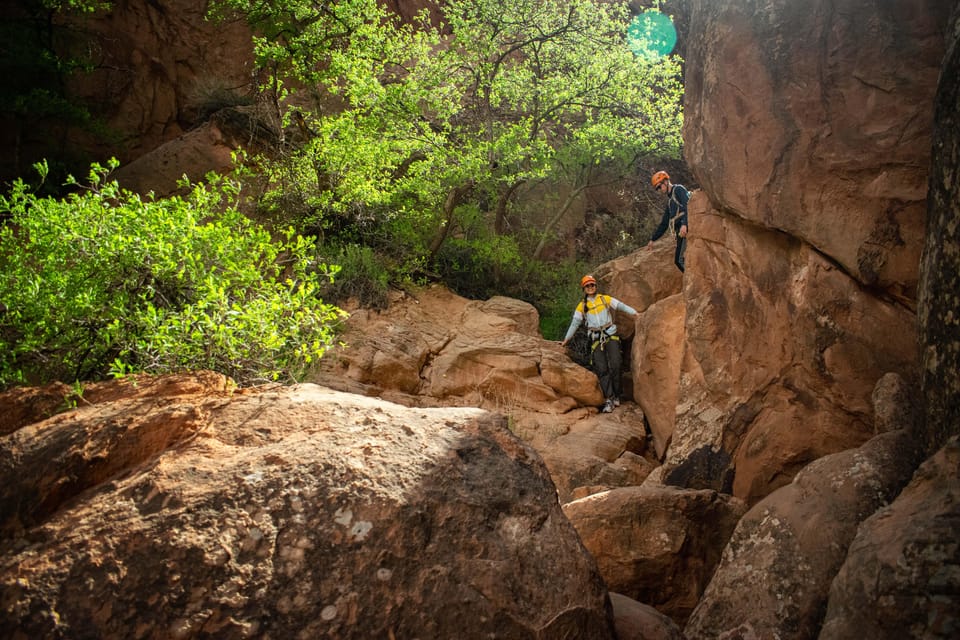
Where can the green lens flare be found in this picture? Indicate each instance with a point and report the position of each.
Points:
(652, 34)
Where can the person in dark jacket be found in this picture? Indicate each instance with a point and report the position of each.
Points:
(675, 214)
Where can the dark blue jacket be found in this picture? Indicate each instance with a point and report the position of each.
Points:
(677, 200)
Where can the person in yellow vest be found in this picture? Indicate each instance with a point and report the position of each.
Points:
(596, 310)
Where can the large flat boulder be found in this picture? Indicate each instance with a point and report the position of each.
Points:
(285, 512)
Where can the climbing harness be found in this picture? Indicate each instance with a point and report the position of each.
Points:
(601, 342)
(599, 337)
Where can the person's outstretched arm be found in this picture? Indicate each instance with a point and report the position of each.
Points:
(574, 324)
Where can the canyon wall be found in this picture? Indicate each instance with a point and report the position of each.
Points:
(808, 126)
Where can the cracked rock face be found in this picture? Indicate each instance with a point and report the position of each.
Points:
(939, 309)
(808, 127)
(814, 119)
(786, 550)
(285, 513)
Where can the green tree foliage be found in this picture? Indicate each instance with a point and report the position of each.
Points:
(423, 140)
(106, 282)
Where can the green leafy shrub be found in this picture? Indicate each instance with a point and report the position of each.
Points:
(103, 282)
(555, 291)
(362, 276)
(481, 267)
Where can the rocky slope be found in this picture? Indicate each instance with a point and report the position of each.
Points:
(786, 465)
(176, 508)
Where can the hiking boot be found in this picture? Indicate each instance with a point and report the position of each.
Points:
(616, 402)
(607, 407)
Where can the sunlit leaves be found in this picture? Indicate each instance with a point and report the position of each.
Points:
(104, 280)
(497, 94)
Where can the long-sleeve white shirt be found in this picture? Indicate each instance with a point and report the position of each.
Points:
(598, 314)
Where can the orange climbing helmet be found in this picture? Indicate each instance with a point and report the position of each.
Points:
(585, 280)
(659, 177)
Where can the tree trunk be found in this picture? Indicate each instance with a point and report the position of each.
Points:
(562, 211)
(454, 198)
(500, 220)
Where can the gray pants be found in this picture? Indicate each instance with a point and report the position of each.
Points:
(606, 360)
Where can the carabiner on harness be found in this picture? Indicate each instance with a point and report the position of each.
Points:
(599, 339)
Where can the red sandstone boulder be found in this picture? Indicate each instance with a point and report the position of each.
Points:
(777, 568)
(783, 350)
(658, 545)
(808, 127)
(285, 512)
(599, 453)
(657, 355)
(205, 149)
(445, 349)
(642, 278)
(901, 576)
(815, 119)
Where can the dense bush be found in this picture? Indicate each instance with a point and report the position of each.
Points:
(363, 276)
(103, 282)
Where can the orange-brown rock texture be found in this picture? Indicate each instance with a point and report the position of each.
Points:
(808, 126)
(814, 119)
(175, 508)
(158, 67)
(657, 544)
(805, 363)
